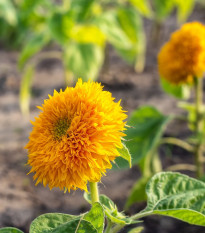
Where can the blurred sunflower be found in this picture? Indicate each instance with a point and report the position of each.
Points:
(75, 137)
(183, 57)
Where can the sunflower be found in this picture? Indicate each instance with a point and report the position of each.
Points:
(76, 136)
(183, 57)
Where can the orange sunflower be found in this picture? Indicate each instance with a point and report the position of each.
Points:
(183, 57)
(76, 137)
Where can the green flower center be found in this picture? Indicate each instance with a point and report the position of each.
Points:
(60, 128)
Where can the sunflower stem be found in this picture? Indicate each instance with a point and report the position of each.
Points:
(117, 228)
(109, 226)
(199, 126)
(94, 192)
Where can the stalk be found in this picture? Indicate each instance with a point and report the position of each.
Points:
(177, 142)
(117, 228)
(69, 78)
(109, 226)
(199, 126)
(94, 192)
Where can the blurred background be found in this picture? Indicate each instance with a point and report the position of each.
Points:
(47, 45)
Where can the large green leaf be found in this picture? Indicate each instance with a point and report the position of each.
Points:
(132, 24)
(142, 6)
(49, 222)
(33, 46)
(110, 26)
(92, 222)
(61, 223)
(10, 230)
(147, 126)
(96, 217)
(84, 60)
(75, 226)
(81, 9)
(88, 34)
(8, 12)
(60, 26)
(177, 196)
(162, 8)
(123, 28)
(137, 193)
(179, 91)
(184, 8)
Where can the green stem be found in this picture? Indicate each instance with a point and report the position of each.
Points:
(69, 79)
(199, 126)
(177, 142)
(117, 228)
(108, 227)
(94, 192)
(140, 62)
(141, 215)
(178, 167)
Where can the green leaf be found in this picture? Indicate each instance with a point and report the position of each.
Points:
(132, 24)
(124, 30)
(33, 46)
(142, 6)
(8, 12)
(184, 9)
(162, 8)
(96, 217)
(125, 154)
(109, 24)
(84, 60)
(177, 196)
(147, 126)
(60, 26)
(10, 230)
(48, 222)
(81, 8)
(25, 89)
(137, 230)
(75, 226)
(107, 202)
(178, 91)
(87, 197)
(61, 223)
(137, 193)
(88, 34)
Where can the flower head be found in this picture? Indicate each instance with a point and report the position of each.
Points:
(75, 137)
(183, 57)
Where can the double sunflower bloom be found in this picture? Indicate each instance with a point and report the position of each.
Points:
(183, 57)
(75, 137)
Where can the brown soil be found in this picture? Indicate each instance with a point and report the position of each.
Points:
(20, 200)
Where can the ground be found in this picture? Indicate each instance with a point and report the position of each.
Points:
(20, 200)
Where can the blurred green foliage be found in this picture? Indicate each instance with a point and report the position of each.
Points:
(81, 29)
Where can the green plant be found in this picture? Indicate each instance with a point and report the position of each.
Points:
(81, 31)
(178, 78)
(169, 194)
